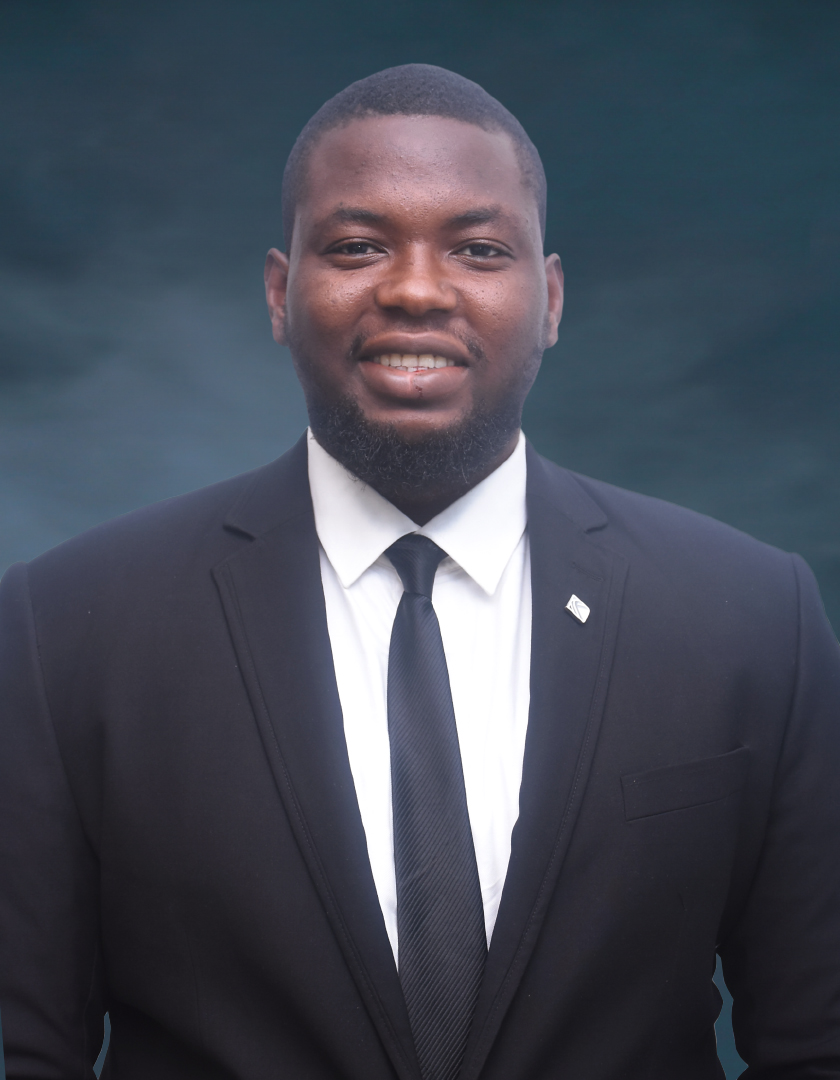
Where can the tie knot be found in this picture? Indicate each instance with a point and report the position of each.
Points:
(416, 559)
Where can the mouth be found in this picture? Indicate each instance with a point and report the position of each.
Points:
(412, 361)
(432, 374)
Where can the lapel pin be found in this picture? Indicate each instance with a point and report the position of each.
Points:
(577, 607)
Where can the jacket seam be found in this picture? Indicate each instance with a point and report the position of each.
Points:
(49, 715)
(797, 654)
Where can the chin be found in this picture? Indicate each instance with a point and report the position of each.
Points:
(405, 459)
(417, 430)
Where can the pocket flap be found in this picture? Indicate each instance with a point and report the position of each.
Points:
(692, 783)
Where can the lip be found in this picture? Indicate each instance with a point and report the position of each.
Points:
(416, 345)
(420, 387)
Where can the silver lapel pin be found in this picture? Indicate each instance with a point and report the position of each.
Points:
(578, 608)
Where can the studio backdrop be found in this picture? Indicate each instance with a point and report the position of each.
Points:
(692, 157)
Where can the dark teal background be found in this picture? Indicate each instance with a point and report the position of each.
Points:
(692, 155)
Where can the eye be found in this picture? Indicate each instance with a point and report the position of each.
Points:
(355, 247)
(481, 249)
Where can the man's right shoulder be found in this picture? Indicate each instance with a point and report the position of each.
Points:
(190, 532)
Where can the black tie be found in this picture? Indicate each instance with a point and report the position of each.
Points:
(440, 916)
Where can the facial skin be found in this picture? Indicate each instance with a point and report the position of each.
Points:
(417, 237)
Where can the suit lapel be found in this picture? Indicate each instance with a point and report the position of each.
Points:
(570, 667)
(273, 599)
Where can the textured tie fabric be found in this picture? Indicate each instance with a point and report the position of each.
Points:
(440, 917)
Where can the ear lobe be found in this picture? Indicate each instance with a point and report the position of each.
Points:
(276, 276)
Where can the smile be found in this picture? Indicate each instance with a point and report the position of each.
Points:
(412, 362)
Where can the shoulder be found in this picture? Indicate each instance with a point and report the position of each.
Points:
(699, 595)
(682, 566)
(643, 526)
(175, 540)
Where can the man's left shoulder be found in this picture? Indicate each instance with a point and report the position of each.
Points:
(678, 558)
(649, 527)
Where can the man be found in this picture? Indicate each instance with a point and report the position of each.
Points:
(412, 754)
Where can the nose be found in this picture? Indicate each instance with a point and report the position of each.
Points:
(416, 283)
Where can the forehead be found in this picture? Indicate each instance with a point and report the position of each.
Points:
(415, 163)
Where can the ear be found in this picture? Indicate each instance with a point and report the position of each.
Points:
(554, 280)
(276, 281)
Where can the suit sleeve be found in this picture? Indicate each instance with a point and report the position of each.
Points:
(51, 986)
(782, 960)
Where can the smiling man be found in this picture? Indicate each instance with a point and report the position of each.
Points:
(412, 755)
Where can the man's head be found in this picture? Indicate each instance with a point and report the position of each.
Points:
(410, 90)
(414, 295)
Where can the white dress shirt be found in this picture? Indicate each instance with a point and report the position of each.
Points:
(482, 597)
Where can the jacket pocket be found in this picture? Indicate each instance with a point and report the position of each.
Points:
(676, 787)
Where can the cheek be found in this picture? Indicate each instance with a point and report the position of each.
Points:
(509, 316)
(324, 306)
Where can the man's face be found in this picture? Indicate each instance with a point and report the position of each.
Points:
(415, 288)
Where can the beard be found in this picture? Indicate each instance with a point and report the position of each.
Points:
(402, 469)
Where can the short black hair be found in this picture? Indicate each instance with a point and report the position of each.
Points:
(410, 90)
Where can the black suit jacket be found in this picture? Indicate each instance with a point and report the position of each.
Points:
(181, 843)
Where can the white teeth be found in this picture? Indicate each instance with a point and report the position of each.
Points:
(412, 362)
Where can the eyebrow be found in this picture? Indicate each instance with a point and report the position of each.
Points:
(358, 215)
(480, 215)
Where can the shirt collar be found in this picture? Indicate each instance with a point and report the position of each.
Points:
(479, 531)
